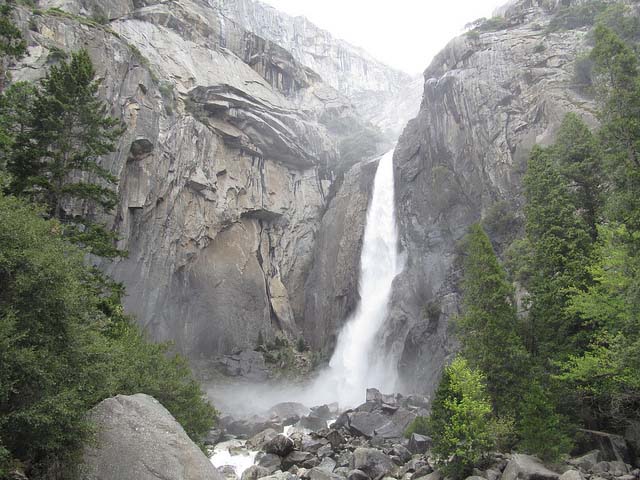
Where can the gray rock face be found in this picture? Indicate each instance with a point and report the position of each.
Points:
(525, 467)
(331, 291)
(138, 439)
(487, 101)
(226, 164)
(386, 97)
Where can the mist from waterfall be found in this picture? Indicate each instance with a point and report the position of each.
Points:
(358, 361)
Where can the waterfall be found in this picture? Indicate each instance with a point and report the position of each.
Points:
(358, 361)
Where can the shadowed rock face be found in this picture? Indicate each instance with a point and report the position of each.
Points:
(487, 101)
(224, 169)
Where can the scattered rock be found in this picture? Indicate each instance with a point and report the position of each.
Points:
(259, 441)
(356, 474)
(612, 447)
(335, 438)
(372, 462)
(301, 459)
(317, 473)
(402, 452)
(254, 472)
(572, 475)
(311, 422)
(279, 445)
(269, 461)
(419, 443)
(228, 472)
(586, 462)
(328, 464)
(423, 471)
(526, 467)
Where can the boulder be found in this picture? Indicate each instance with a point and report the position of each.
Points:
(572, 475)
(475, 477)
(279, 445)
(365, 423)
(526, 467)
(301, 459)
(423, 471)
(612, 447)
(318, 473)
(281, 476)
(402, 452)
(311, 422)
(311, 444)
(328, 464)
(356, 474)
(254, 472)
(228, 472)
(289, 409)
(138, 439)
(335, 438)
(258, 442)
(269, 461)
(372, 462)
(587, 461)
(419, 443)
(323, 411)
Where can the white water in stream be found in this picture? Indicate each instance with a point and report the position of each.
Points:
(358, 361)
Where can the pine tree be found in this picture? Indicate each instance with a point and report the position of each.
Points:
(578, 155)
(561, 248)
(56, 160)
(489, 326)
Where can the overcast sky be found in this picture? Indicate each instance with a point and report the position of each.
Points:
(405, 34)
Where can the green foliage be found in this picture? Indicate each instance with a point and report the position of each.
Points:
(460, 420)
(621, 20)
(583, 73)
(55, 155)
(420, 425)
(65, 345)
(576, 16)
(301, 345)
(540, 427)
(489, 324)
(560, 252)
(12, 44)
(578, 156)
(606, 377)
(492, 24)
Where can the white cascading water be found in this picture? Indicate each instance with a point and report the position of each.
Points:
(358, 363)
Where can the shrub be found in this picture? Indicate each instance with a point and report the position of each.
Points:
(420, 426)
(460, 420)
(576, 16)
(65, 345)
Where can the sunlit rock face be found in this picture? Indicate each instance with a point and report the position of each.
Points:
(229, 160)
(488, 99)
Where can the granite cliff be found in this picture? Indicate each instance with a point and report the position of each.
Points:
(234, 148)
(489, 96)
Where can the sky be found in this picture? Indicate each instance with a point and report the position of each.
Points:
(405, 34)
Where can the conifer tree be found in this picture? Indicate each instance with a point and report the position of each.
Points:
(489, 329)
(561, 247)
(56, 160)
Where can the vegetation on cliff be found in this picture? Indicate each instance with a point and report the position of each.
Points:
(566, 355)
(65, 342)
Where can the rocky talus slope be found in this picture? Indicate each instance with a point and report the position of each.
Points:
(367, 443)
(488, 98)
(230, 158)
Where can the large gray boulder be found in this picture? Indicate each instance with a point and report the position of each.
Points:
(372, 462)
(526, 467)
(138, 439)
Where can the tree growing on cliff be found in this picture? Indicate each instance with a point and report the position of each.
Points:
(561, 245)
(489, 328)
(12, 43)
(56, 159)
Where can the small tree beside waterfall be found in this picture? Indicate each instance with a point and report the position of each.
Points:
(460, 421)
